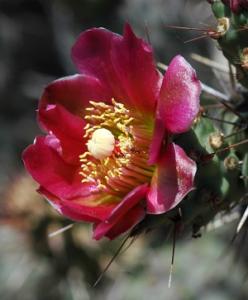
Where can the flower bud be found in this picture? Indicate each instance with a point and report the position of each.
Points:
(231, 163)
(244, 58)
(216, 140)
(236, 5)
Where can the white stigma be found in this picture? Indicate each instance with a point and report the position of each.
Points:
(101, 144)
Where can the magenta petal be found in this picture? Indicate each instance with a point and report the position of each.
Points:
(133, 217)
(179, 96)
(124, 64)
(134, 64)
(74, 93)
(44, 162)
(157, 141)
(80, 212)
(172, 181)
(92, 56)
(122, 217)
(61, 184)
(68, 128)
(236, 5)
(77, 211)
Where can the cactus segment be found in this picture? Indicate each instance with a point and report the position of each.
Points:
(233, 40)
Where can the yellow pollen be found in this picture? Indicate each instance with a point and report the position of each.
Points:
(118, 144)
(101, 144)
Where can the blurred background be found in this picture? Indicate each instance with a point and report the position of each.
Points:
(35, 41)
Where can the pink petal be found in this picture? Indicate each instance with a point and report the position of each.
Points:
(62, 108)
(44, 162)
(133, 217)
(172, 181)
(77, 211)
(122, 217)
(156, 146)
(179, 96)
(68, 128)
(134, 63)
(124, 64)
(74, 93)
(61, 184)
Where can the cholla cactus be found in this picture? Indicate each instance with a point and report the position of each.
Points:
(232, 18)
(221, 178)
(218, 140)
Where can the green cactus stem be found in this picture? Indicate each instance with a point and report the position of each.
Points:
(232, 37)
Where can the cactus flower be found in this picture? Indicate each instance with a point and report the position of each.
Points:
(236, 5)
(107, 157)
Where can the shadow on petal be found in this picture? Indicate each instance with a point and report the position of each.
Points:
(172, 180)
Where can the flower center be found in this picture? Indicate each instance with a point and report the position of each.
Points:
(118, 143)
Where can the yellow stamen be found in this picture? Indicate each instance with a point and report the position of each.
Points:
(118, 144)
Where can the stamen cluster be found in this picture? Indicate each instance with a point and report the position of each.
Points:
(127, 166)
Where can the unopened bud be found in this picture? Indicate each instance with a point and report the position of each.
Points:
(216, 140)
(244, 58)
(223, 25)
(231, 163)
(236, 6)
